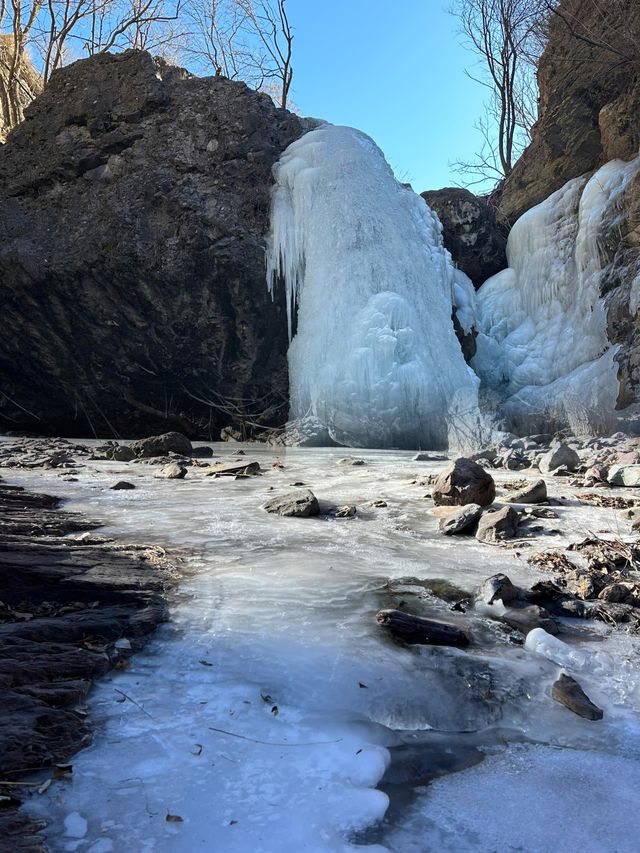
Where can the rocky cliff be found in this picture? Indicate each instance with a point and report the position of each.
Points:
(134, 203)
(589, 81)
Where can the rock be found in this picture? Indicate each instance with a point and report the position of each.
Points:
(464, 482)
(134, 200)
(378, 504)
(470, 231)
(499, 588)
(162, 445)
(301, 504)
(498, 526)
(568, 692)
(350, 460)
(122, 484)
(460, 520)
(533, 493)
(581, 583)
(346, 512)
(630, 514)
(430, 457)
(231, 469)
(559, 455)
(624, 475)
(173, 471)
(202, 452)
(623, 592)
(513, 460)
(122, 453)
(540, 512)
(418, 630)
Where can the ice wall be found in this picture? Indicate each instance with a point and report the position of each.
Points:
(542, 349)
(373, 357)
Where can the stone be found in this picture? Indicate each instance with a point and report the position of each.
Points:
(122, 453)
(302, 504)
(513, 460)
(525, 619)
(623, 592)
(569, 693)
(532, 493)
(151, 285)
(346, 511)
(499, 588)
(122, 485)
(560, 455)
(464, 482)
(462, 520)
(231, 469)
(162, 445)
(498, 526)
(624, 475)
(202, 452)
(172, 471)
(430, 457)
(350, 460)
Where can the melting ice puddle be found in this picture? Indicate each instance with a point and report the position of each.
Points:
(265, 714)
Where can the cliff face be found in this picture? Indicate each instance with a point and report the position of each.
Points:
(134, 202)
(589, 80)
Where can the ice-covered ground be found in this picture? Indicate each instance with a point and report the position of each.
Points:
(266, 712)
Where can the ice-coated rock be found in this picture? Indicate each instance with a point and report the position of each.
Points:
(568, 692)
(162, 445)
(532, 493)
(498, 588)
(499, 525)
(75, 826)
(172, 471)
(624, 475)
(464, 482)
(559, 455)
(302, 504)
(461, 520)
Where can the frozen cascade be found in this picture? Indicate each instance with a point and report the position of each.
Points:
(374, 357)
(543, 354)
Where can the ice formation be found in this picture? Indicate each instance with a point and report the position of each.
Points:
(373, 356)
(542, 349)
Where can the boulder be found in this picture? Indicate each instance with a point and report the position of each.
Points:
(499, 588)
(532, 493)
(462, 520)
(122, 453)
(525, 619)
(134, 207)
(624, 475)
(351, 461)
(464, 482)
(348, 511)
(122, 485)
(499, 525)
(172, 471)
(560, 455)
(301, 504)
(568, 692)
(162, 445)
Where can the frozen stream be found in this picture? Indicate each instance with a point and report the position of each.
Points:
(270, 707)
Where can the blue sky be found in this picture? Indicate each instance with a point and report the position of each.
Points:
(394, 69)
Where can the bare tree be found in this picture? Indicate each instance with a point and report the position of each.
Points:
(271, 27)
(16, 90)
(508, 36)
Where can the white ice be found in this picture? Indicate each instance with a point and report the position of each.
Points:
(279, 613)
(543, 354)
(374, 356)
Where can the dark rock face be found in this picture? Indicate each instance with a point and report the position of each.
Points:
(589, 101)
(470, 231)
(134, 203)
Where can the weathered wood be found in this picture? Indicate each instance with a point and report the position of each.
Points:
(568, 692)
(418, 630)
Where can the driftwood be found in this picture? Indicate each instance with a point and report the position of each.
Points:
(418, 630)
(568, 692)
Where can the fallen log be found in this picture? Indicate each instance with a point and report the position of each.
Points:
(418, 630)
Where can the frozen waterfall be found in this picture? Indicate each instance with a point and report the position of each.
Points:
(374, 357)
(542, 348)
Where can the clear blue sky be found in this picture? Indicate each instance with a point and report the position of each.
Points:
(394, 69)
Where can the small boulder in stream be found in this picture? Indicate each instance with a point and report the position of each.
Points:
(416, 630)
(498, 526)
(162, 445)
(172, 471)
(568, 692)
(560, 455)
(122, 485)
(461, 520)
(464, 482)
(302, 504)
(624, 475)
(532, 493)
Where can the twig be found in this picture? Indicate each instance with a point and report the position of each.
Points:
(272, 742)
(126, 696)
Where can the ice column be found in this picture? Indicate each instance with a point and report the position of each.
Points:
(373, 357)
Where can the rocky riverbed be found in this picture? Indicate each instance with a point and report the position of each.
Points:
(288, 712)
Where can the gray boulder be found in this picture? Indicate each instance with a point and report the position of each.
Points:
(560, 455)
(464, 482)
(533, 493)
(302, 504)
(499, 588)
(624, 475)
(461, 520)
(162, 445)
(172, 471)
(498, 526)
